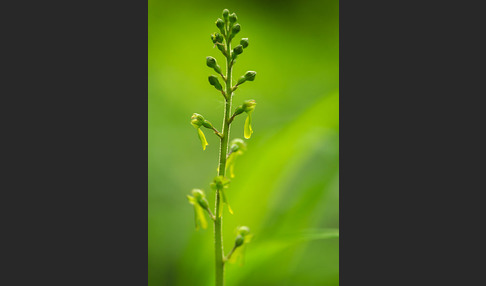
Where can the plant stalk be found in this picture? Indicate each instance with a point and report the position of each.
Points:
(218, 222)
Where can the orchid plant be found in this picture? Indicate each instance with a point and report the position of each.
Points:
(229, 151)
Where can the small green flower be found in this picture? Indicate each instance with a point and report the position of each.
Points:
(197, 120)
(222, 183)
(248, 107)
(243, 237)
(195, 200)
(237, 148)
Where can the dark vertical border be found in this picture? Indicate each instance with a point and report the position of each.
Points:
(75, 138)
(374, 137)
(409, 121)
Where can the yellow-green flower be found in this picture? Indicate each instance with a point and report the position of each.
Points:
(221, 183)
(198, 200)
(197, 120)
(237, 147)
(248, 107)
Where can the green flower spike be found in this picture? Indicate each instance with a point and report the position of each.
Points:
(221, 183)
(248, 107)
(197, 120)
(237, 148)
(199, 201)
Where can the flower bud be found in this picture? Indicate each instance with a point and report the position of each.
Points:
(213, 80)
(235, 30)
(239, 241)
(238, 49)
(233, 18)
(197, 120)
(220, 25)
(225, 14)
(250, 75)
(244, 42)
(216, 38)
(211, 62)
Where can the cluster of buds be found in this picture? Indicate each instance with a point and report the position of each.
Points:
(228, 28)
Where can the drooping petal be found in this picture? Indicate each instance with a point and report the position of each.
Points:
(239, 256)
(200, 216)
(230, 163)
(225, 200)
(202, 138)
(248, 130)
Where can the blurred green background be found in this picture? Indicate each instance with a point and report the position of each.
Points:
(286, 185)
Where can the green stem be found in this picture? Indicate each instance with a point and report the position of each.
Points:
(218, 222)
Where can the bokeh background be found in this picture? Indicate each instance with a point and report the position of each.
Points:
(286, 187)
